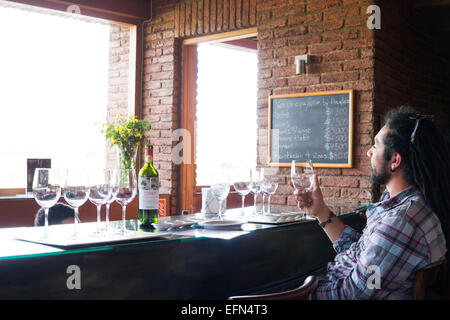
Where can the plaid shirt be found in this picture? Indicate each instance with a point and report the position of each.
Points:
(402, 235)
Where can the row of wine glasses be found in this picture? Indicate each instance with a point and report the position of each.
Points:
(258, 183)
(99, 186)
(302, 178)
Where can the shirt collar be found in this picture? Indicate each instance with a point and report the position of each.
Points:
(388, 203)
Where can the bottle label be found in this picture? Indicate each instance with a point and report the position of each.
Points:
(148, 193)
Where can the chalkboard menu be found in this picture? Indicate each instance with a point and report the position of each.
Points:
(316, 126)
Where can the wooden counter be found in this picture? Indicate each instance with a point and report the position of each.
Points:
(266, 258)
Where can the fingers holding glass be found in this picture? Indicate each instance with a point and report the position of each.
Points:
(302, 179)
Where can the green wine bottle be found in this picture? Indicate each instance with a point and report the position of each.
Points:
(148, 192)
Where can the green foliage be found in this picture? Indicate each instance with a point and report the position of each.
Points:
(127, 134)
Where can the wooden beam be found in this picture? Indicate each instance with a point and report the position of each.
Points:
(223, 36)
(130, 11)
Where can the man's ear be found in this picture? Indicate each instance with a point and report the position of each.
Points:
(396, 161)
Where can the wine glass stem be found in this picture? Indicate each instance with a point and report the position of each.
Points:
(220, 209)
(46, 223)
(98, 218)
(263, 199)
(243, 203)
(254, 200)
(107, 217)
(75, 224)
(124, 209)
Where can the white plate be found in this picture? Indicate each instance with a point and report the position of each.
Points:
(180, 223)
(221, 224)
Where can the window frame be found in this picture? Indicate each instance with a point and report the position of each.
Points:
(189, 193)
(134, 14)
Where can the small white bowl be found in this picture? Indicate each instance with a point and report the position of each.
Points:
(162, 226)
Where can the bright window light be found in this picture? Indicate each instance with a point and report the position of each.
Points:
(54, 90)
(226, 133)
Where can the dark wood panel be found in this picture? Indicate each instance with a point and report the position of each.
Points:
(21, 212)
(187, 269)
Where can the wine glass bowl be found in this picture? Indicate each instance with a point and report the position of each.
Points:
(220, 191)
(76, 192)
(46, 191)
(100, 190)
(269, 186)
(243, 189)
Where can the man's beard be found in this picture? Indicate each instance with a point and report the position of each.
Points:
(381, 177)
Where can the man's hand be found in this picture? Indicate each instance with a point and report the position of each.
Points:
(312, 201)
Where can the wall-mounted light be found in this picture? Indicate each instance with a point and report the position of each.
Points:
(300, 63)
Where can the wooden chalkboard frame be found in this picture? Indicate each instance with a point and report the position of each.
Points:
(349, 163)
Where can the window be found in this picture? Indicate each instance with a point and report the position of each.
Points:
(201, 104)
(226, 129)
(59, 76)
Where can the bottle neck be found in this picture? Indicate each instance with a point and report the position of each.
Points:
(149, 155)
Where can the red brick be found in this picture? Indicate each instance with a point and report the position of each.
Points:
(340, 77)
(322, 5)
(339, 13)
(325, 47)
(289, 51)
(358, 64)
(341, 55)
(362, 171)
(338, 182)
(307, 18)
(304, 80)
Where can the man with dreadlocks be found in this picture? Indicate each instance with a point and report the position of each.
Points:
(407, 230)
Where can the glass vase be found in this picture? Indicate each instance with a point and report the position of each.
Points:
(126, 156)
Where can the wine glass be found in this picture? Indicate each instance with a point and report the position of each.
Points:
(302, 178)
(242, 187)
(268, 186)
(76, 192)
(46, 191)
(124, 190)
(255, 185)
(220, 190)
(109, 200)
(100, 190)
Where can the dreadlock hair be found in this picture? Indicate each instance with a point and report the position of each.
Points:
(56, 214)
(426, 157)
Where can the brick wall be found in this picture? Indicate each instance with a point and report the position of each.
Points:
(333, 32)
(161, 92)
(118, 79)
(409, 67)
